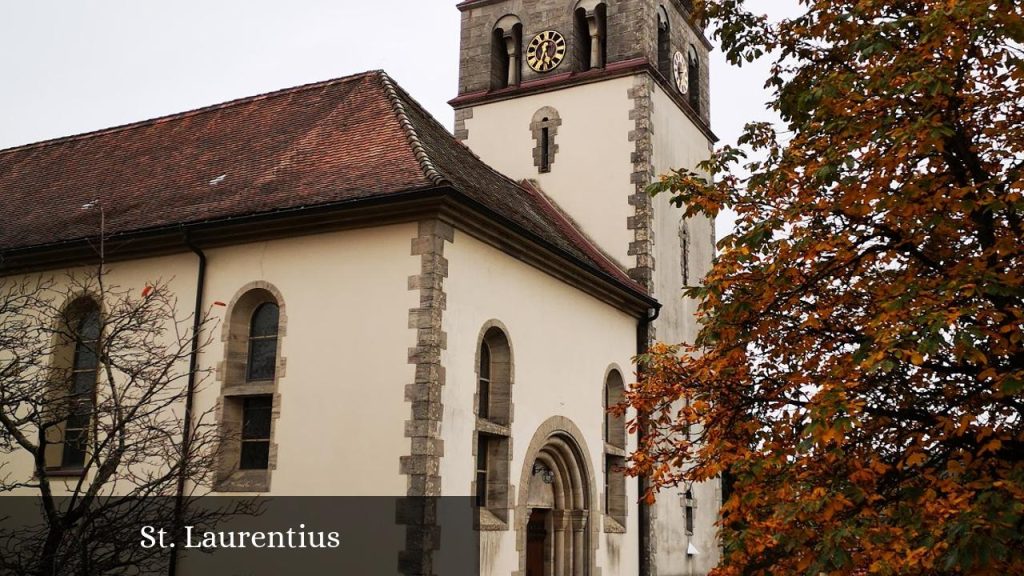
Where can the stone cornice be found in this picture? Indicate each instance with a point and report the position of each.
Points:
(411, 206)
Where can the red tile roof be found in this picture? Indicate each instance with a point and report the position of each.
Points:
(346, 139)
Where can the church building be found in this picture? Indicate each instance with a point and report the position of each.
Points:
(449, 313)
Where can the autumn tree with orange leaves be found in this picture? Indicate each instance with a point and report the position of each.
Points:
(859, 375)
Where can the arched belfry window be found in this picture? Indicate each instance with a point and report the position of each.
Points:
(615, 505)
(250, 379)
(590, 31)
(693, 78)
(664, 44)
(492, 446)
(78, 356)
(506, 53)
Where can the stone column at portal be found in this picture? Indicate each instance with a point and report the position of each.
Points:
(560, 521)
(579, 525)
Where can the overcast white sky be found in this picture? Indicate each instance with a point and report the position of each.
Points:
(73, 66)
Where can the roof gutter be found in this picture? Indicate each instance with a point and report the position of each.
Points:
(193, 367)
(643, 339)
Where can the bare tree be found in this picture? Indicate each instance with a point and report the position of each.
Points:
(96, 384)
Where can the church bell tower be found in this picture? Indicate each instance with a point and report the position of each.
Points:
(592, 100)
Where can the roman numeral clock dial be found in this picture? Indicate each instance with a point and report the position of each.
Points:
(546, 51)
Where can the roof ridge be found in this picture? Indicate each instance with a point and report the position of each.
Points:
(401, 96)
(190, 113)
(430, 169)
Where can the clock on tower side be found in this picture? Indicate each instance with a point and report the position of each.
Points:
(592, 99)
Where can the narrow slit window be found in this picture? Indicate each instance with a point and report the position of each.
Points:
(689, 513)
(545, 149)
(544, 129)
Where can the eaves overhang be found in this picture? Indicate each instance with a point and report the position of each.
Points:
(442, 202)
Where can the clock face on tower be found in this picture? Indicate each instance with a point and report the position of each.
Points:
(546, 51)
(679, 71)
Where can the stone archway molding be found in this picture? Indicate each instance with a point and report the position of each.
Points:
(560, 435)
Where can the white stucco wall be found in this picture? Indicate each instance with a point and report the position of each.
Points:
(177, 271)
(341, 429)
(590, 176)
(677, 143)
(346, 297)
(563, 342)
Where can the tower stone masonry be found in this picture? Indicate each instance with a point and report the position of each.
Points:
(629, 100)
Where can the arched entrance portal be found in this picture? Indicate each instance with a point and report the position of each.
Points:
(555, 513)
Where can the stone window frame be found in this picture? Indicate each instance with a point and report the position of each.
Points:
(614, 502)
(494, 434)
(506, 52)
(65, 348)
(545, 122)
(234, 388)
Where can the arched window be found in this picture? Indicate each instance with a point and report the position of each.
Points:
(693, 76)
(262, 361)
(492, 433)
(249, 399)
(664, 44)
(591, 43)
(261, 366)
(506, 53)
(614, 426)
(84, 324)
(614, 454)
